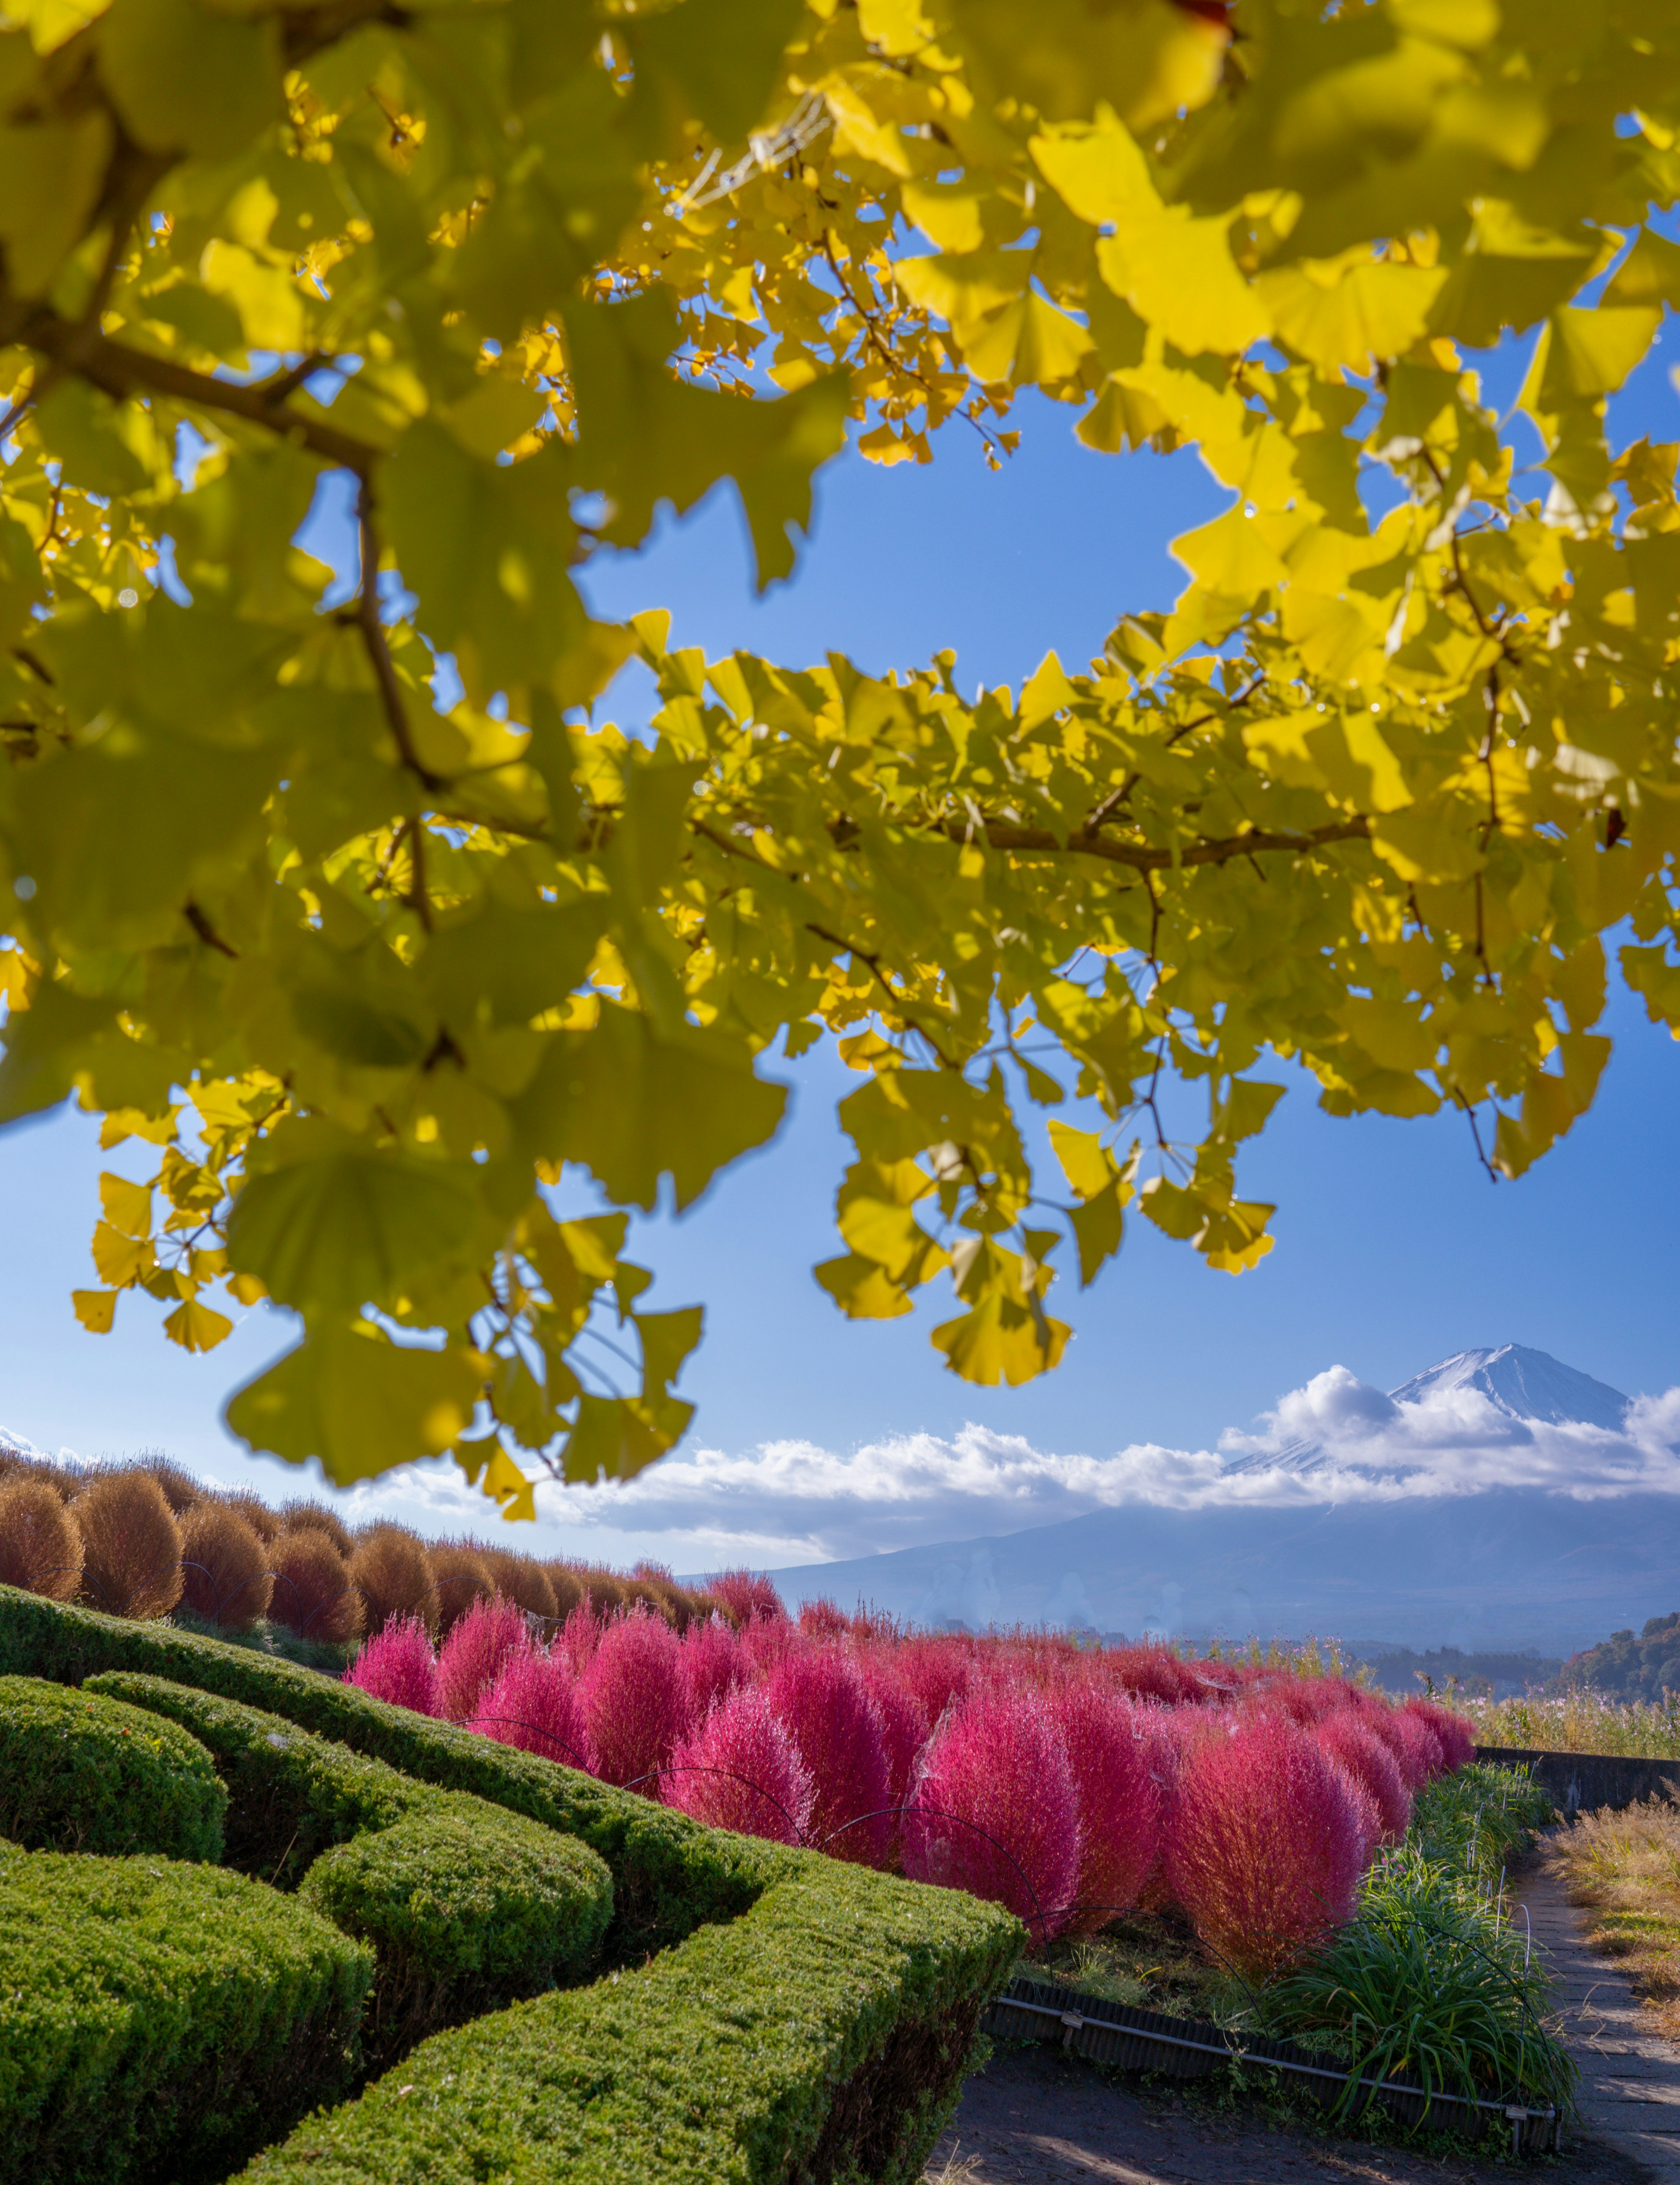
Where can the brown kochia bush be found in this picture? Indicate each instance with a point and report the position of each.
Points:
(313, 1594)
(40, 1547)
(463, 1577)
(263, 1521)
(605, 1592)
(567, 1587)
(301, 1516)
(64, 1484)
(519, 1578)
(132, 1545)
(226, 1576)
(391, 1571)
(181, 1490)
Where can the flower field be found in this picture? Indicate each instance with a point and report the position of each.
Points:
(1070, 1783)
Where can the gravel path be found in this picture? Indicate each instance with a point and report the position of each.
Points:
(1035, 2117)
(1630, 2075)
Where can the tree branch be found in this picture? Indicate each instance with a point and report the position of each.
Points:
(121, 371)
(379, 649)
(1214, 851)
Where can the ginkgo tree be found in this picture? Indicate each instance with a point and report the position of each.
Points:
(370, 972)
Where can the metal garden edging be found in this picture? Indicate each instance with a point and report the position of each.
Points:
(1136, 2040)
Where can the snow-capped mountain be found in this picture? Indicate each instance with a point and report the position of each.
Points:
(1501, 1499)
(1517, 1385)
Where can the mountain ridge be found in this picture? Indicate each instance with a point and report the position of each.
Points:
(1495, 1565)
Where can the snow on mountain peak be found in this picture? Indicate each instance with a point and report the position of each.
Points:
(1527, 1385)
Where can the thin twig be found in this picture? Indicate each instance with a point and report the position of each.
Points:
(863, 956)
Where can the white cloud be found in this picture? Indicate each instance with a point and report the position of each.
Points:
(786, 1503)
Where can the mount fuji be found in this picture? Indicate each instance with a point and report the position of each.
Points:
(1499, 1499)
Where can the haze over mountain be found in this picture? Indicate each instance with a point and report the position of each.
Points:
(1501, 1499)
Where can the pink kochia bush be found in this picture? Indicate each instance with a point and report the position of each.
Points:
(1068, 1782)
(1413, 1741)
(1355, 1747)
(712, 1665)
(397, 1664)
(472, 1656)
(740, 1770)
(1266, 1846)
(1119, 1799)
(533, 1703)
(821, 1701)
(996, 1809)
(634, 1701)
(1456, 1737)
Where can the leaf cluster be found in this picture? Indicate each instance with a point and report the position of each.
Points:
(371, 967)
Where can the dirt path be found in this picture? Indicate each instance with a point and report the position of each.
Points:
(1630, 2075)
(1035, 2117)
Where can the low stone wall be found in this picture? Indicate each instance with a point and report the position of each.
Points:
(1584, 1782)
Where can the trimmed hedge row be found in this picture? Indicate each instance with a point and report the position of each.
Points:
(669, 1876)
(156, 2017)
(821, 2037)
(79, 1771)
(290, 1796)
(468, 1906)
(466, 1909)
(815, 2024)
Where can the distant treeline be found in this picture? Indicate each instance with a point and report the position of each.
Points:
(1624, 1668)
(1495, 1676)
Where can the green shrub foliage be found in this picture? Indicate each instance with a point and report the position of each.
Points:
(467, 1909)
(81, 1772)
(160, 2021)
(290, 1794)
(821, 2036)
(669, 1874)
(787, 2016)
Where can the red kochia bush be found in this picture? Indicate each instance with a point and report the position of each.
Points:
(996, 1811)
(397, 1664)
(739, 1769)
(1265, 1844)
(747, 1596)
(904, 1721)
(1119, 1800)
(575, 1641)
(634, 1699)
(1154, 1673)
(1411, 1739)
(937, 1670)
(712, 1666)
(474, 1652)
(824, 1619)
(823, 1703)
(39, 1548)
(1457, 1738)
(1350, 1741)
(535, 1704)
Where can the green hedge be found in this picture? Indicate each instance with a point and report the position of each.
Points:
(814, 2025)
(468, 1906)
(669, 1876)
(159, 2021)
(467, 1909)
(822, 2036)
(79, 1771)
(290, 1794)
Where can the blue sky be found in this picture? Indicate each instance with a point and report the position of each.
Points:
(1394, 1249)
